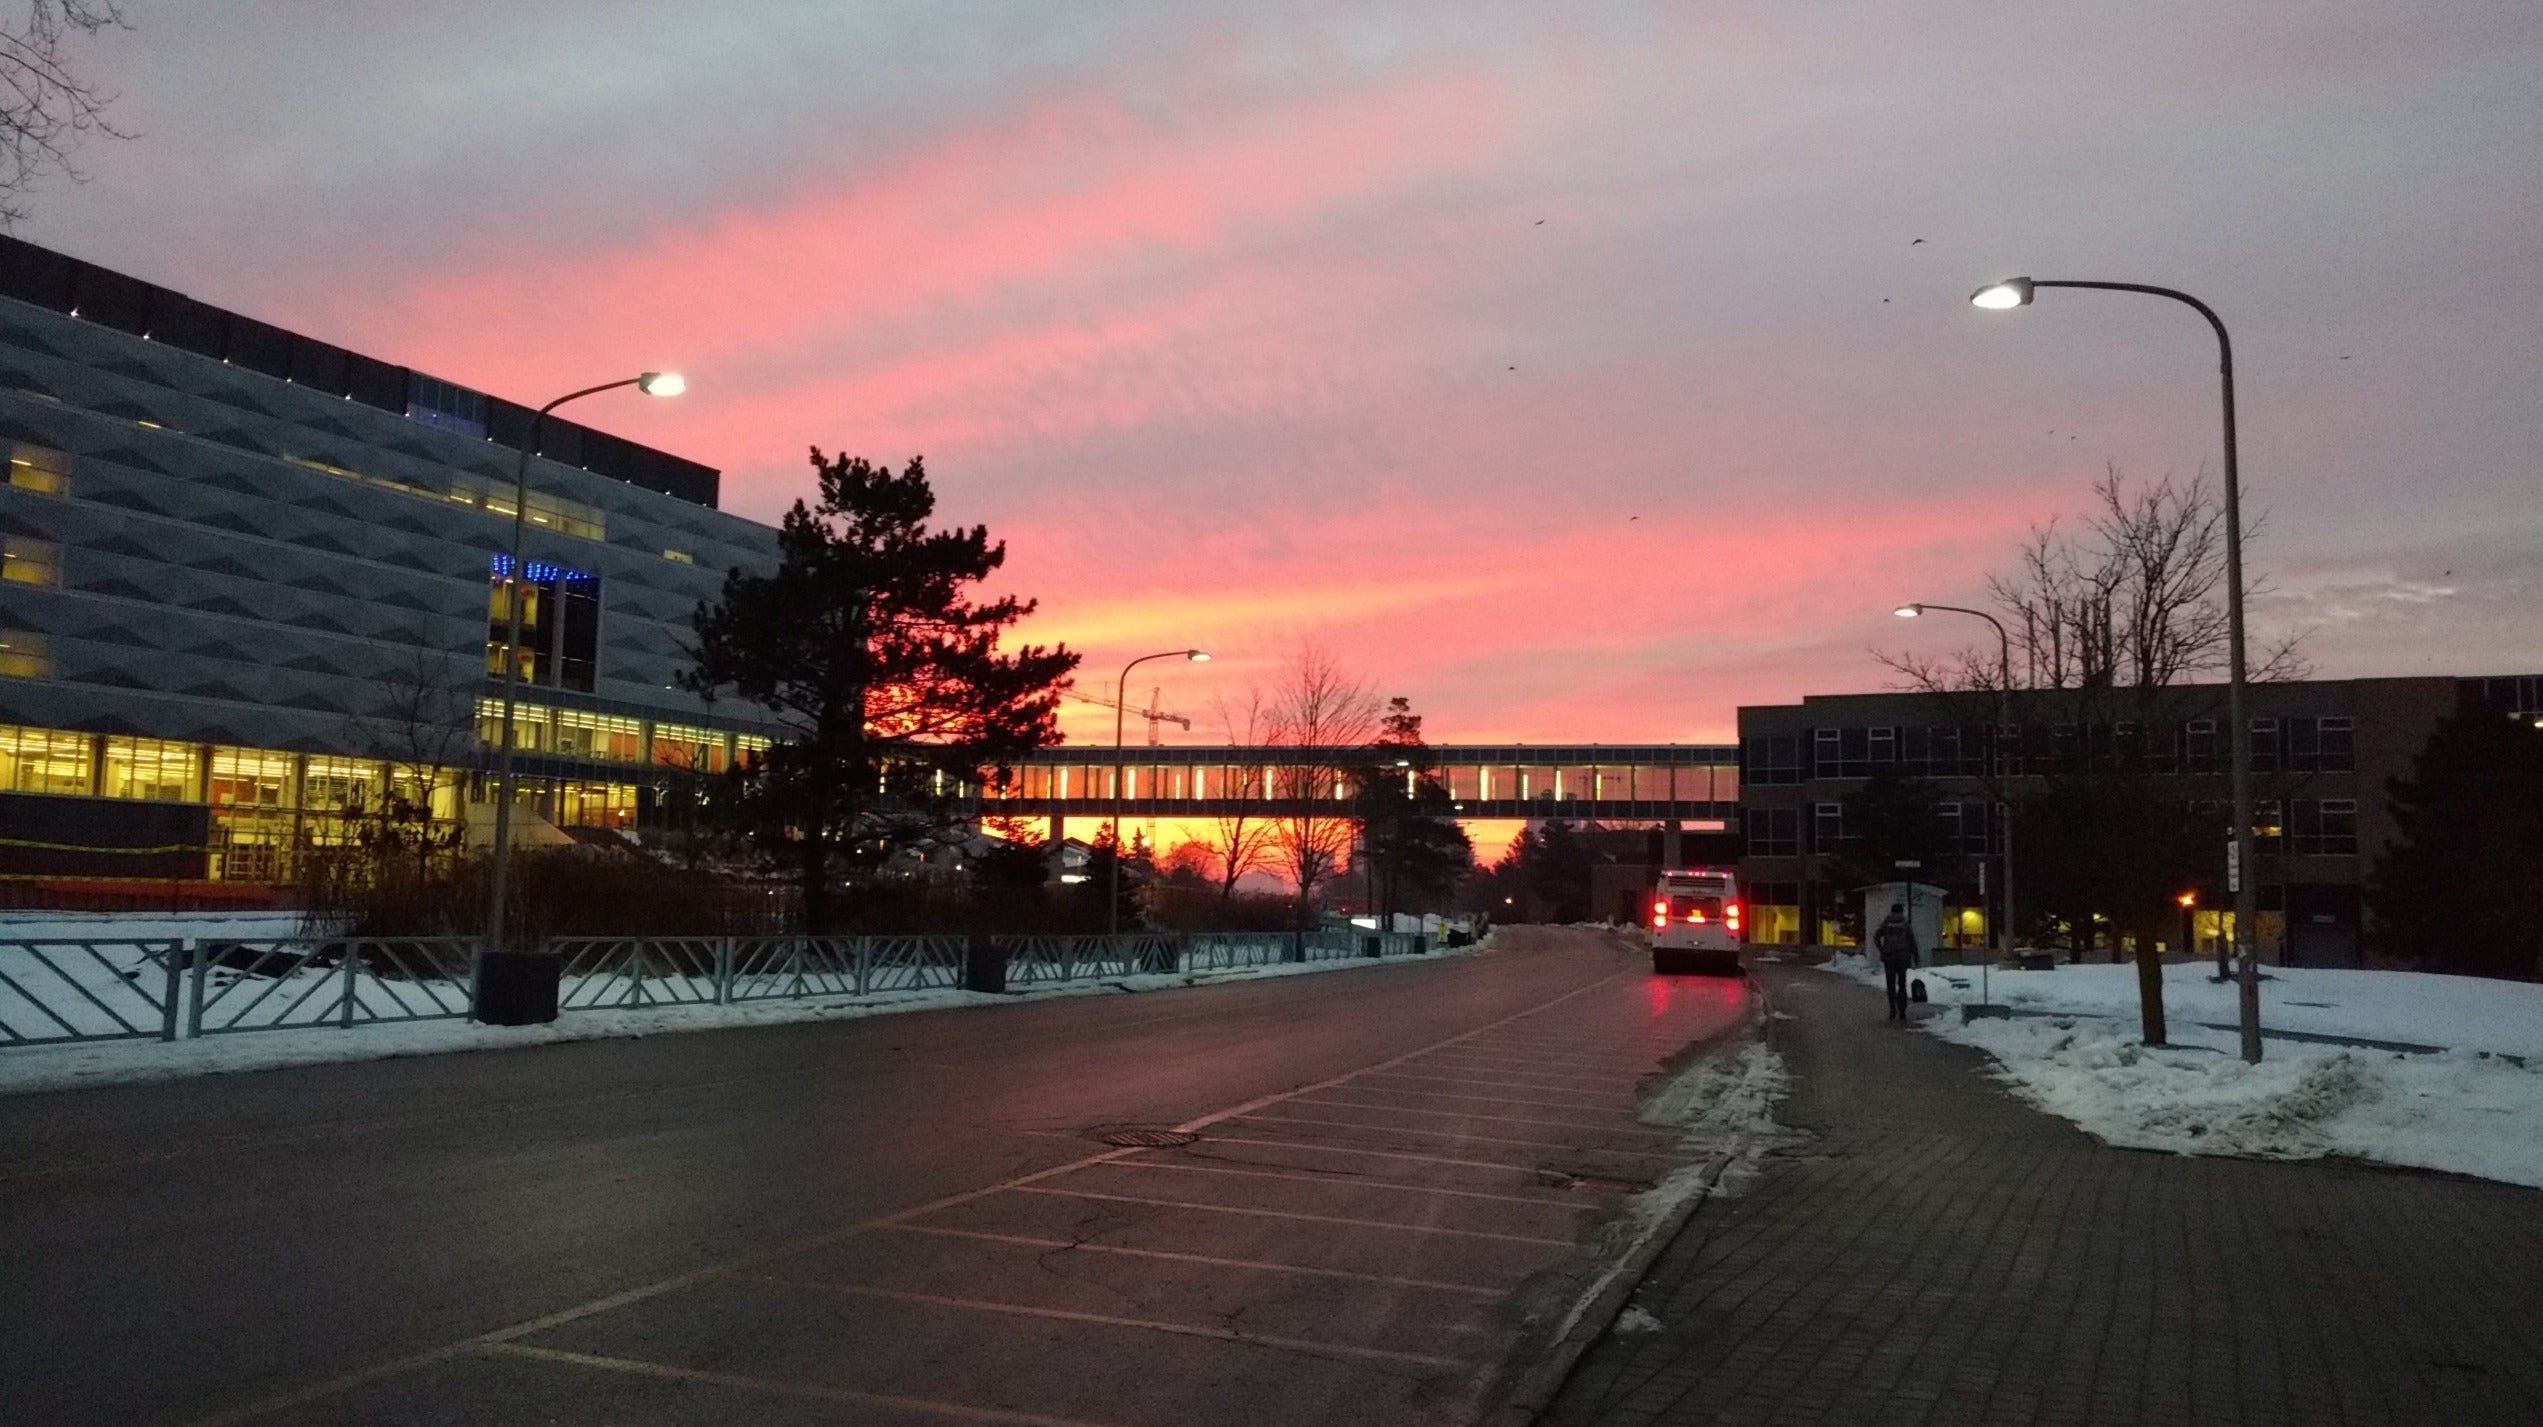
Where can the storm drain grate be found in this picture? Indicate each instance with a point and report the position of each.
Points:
(1136, 1138)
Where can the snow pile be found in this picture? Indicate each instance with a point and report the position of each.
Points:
(2405, 1007)
(1637, 1320)
(2073, 1049)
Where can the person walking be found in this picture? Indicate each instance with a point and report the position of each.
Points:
(1895, 940)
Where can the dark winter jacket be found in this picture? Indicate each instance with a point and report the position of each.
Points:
(1896, 942)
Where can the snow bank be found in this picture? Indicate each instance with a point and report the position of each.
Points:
(2075, 1053)
(2410, 1007)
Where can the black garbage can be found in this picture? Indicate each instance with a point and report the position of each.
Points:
(1421, 943)
(517, 988)
(984, 966)
(1372, 946)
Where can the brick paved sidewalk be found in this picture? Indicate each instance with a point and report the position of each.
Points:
(1938, 1252)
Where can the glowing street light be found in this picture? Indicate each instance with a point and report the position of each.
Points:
(2017, 292)
(651, 384)
(2004, 803)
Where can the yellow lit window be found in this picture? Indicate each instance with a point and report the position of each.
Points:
(680, 556)
(699, 750)
(30, 562)
(43, 760)
(151, 769)
(749, 748)
(599, 736)
(24, 655)
(36, 468)
(250, 778)
(530, 724)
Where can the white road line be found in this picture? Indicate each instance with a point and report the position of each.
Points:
(1205, 1260)
(1316, 1147)
(1612, 1106)
(1107, 1320)
(1454, 1135)
(1288, 1214)
(812, 1390)
(1352, 1182)
(1498, 1119)
(1474, 1082)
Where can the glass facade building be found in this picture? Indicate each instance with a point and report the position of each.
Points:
(250, 571)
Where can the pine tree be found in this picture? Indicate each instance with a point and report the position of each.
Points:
(2461, 887)
(867, 646)
(1416, 853)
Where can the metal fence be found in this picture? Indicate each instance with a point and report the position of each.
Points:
(56, 991)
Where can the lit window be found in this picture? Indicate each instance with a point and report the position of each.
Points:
(698, 750)
(682, 557)
(24, 655)
(36, 468)
(43, 760)
(150, 769)
(30, 562)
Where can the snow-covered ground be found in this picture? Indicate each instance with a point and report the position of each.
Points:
(30, 1068)
(2073, 1050)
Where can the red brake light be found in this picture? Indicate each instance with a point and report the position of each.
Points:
(1660, 909)
(1659, 919)
(1730, 916)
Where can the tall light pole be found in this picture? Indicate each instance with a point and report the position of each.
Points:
(1112, 894)
(2004, 803)
(2017, 292)
(652, 384)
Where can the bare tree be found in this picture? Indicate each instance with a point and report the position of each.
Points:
(2135, 600)
(1241, 838)
(1326, 719)
(46, 108)
(423, 726)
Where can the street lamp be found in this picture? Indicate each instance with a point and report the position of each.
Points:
(2017, 292)
(2004, 804)
(651, 384)
(1112, 896)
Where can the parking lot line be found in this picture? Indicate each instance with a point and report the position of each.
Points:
(814, 1391)
(1328, 1148)
(1474, 1115)
(1353, 1182)
(1030, 1241)
(1289, 1214)
(1610, 1099)
(1452, 1135)
(1611, 1107)
(1107, 1320)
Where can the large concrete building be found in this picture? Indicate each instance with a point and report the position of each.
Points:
(251, 580)
(2322, 754)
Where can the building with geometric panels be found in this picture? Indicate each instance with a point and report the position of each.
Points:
(251, 582)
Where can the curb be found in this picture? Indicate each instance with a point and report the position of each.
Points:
(1516, 1400)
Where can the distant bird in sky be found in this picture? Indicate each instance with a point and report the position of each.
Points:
(1514, 369)
(1631, 518)
(1919, 240)
(1540, 222)
(1885, 299)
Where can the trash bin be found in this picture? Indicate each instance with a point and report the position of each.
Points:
(1421, 943)
(984, 966)
(517, 988)
(1373, 946)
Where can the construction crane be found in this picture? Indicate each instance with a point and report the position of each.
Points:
(1154, 715)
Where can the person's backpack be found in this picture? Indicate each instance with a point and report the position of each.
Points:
(1916, 988)
(1892, 939)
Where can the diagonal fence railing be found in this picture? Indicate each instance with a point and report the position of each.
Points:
(73, 990)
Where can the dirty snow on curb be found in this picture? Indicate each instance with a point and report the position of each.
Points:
(27, 1069)
(2466, 1109)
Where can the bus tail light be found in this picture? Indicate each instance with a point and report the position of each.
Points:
(1730, 916)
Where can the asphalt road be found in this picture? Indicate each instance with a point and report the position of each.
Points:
(904, 1219)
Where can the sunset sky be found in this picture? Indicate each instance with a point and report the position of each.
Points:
(1573, 370)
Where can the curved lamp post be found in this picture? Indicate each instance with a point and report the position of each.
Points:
(1121, 776)
(2004, 803)
(2017, 292)
(652, 384)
